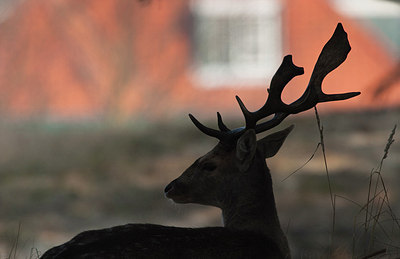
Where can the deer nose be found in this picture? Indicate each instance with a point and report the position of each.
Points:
(169, 187)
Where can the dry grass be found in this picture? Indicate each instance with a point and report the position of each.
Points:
(58, 180)
(380, 227)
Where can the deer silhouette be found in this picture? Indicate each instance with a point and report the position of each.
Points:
(233, 176)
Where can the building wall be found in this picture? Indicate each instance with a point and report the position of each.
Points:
(121, 59)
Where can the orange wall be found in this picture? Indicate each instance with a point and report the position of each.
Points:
(121, 58)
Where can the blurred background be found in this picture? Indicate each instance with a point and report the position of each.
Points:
(93, 124)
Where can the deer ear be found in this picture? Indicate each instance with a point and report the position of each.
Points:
(271, 144)
(245, 149)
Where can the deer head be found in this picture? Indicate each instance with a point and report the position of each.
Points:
(215, 177)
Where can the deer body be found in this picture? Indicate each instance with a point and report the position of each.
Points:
(156, 241)
(233, 176)
(244, 194)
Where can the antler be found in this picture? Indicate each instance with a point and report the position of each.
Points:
(332, 55)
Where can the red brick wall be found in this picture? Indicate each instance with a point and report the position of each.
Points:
(114, 58)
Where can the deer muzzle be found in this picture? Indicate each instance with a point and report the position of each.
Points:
(175, 192)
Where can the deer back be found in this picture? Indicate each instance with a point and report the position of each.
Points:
(155, 241)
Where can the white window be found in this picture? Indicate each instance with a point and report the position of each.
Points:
(236, 42)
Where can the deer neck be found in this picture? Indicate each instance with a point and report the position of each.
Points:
(252, 207)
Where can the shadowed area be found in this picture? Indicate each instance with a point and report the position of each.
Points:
(85, 177)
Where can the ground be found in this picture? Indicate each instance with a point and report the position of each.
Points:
(57, 180)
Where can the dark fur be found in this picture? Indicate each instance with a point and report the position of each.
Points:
(155, 241)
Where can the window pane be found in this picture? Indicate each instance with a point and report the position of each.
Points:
(236, 42)
(243, 39)
(211, 40)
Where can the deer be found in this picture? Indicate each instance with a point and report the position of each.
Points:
(233, 176)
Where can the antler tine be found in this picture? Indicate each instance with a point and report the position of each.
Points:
(286, 72)
(221, 125)
(223, 135)
(332, 55)
(248, 116)
(274, 104)
(208, 131)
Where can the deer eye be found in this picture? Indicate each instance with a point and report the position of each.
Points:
(209, 167)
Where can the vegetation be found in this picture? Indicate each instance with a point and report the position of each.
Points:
(60, 179)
